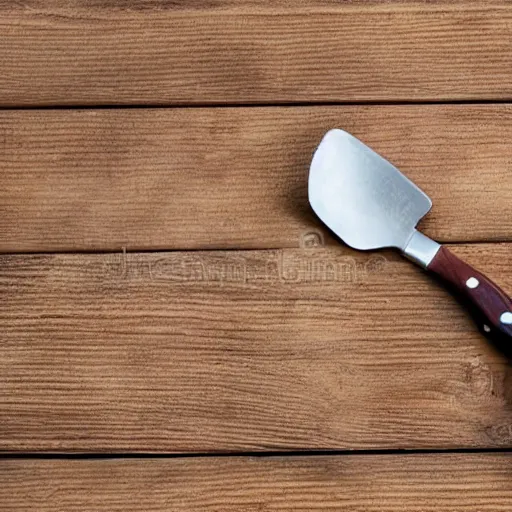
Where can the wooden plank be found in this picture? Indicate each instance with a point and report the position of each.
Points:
(382, 483)
(234, 177)
(257, 350)
(62, 52)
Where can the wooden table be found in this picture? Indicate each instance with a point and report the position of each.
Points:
(177, 330)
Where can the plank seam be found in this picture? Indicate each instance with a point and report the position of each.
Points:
(178, 105)
(260, 454)
(221, 249)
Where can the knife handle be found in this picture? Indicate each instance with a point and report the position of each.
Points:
(490, 306)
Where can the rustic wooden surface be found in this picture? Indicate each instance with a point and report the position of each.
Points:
(106, 52)
(256, 350)
(165, 288)
(408, 483)
(236, 177)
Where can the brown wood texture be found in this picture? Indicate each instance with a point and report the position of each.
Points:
(62, 52)
(488, 302)
(287, 341)
(256, 350)
(234, 177)
(384, 483)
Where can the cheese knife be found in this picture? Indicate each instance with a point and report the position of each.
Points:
(370, 204)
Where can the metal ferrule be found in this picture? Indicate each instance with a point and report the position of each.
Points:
(421, 249)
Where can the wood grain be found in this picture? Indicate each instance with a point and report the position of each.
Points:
(62, 52)
(256, 350)
(408, 483)
(234, 177)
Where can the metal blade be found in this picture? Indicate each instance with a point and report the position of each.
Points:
(362, 197)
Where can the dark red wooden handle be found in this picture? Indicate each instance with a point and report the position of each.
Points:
(490, 305)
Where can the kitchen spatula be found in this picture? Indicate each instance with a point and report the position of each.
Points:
(370, 204)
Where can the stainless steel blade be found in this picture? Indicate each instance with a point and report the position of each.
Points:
(362, 197)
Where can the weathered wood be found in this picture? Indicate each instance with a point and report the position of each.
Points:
(256, 350)
(60, 52)
(384, 483)
(234, 178)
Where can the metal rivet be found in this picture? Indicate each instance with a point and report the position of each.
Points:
(487, 328)
(506, 318)
(472, 282)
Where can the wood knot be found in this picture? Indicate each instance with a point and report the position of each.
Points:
(501, 434)
(480, 379)
(312, 240)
